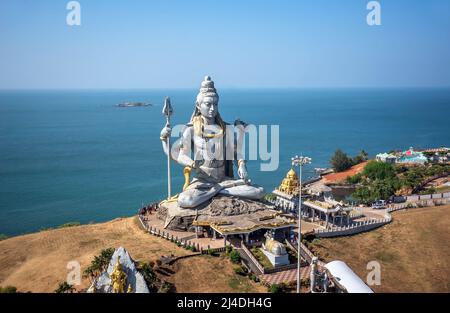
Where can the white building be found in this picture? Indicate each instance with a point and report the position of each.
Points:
(386, 157)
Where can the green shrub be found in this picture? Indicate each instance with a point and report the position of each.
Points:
(166, 287)
(8, 289)
(340, 161)
(378, 170)
(99, 263)
(70, 224)
(305, 282)
(275, 288)
(240, 271)
(355, 179)
(235, 257)
(270, 197)
(64, 287)
(3, 237)
(146, 269)
(254, 278)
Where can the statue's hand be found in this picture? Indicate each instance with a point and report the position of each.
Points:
(165, 133)
(242, 171)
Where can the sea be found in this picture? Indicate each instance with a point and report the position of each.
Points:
(74, 156)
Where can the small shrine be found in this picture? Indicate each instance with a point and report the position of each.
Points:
(274, 250)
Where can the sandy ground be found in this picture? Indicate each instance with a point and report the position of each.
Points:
(37, 262)
(334, 178)
(413, 251)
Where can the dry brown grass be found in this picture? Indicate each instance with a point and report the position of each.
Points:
(210, 274)
(37, 262)
(413, 251)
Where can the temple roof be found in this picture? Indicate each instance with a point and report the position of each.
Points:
(290, 184)
(246, 223)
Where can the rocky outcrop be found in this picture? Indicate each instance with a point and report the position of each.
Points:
(177, 218)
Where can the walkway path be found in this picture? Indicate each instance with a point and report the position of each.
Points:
(288, 276)
(203, 242)
(249, 262)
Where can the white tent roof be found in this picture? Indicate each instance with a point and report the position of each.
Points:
(347, 278)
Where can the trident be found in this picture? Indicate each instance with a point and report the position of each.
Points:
(167, 112)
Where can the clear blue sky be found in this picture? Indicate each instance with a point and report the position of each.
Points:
(246, 43)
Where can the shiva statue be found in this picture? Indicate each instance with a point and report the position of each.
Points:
(215, 150)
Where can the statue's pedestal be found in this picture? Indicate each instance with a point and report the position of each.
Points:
(276, 260)
(226, 214)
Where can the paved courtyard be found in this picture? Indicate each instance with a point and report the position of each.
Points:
(288, 276)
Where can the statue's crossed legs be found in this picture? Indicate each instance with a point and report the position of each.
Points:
(198, 191)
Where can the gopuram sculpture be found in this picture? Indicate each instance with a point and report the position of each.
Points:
(209, 148)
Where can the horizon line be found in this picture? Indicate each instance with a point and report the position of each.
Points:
(225, 87)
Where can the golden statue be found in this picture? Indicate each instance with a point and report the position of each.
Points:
(118, 278)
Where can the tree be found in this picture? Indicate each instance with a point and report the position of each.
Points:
(149, 275)
(378, 170)
(99, 264)
(65, 287)
(340, 161)
(361, 157)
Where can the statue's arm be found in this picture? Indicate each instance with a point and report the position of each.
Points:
(239, 160)
(184, 156)
(165, 134)
(238, 143)
(179, 148)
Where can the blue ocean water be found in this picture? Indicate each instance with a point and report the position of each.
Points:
(73, 156)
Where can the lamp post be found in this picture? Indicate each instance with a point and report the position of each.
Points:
(299, 161)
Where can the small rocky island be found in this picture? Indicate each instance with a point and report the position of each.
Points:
(133, 104)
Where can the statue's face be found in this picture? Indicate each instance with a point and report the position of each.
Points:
(208, 107)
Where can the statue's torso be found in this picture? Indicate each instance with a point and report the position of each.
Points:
(209, 156)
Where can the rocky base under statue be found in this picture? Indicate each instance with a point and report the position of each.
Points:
(225, 213)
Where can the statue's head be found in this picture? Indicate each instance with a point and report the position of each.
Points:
(207, 99)
(118, 266)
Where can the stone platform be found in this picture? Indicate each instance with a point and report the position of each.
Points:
(226, 214)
